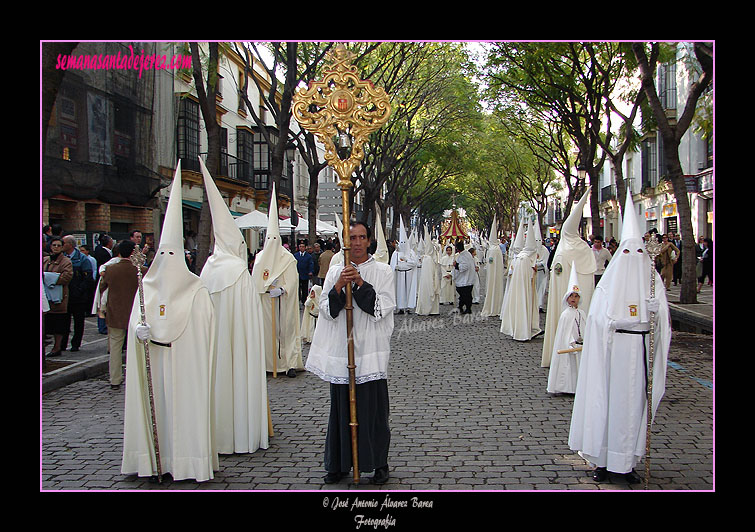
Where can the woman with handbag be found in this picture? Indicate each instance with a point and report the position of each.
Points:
(56, 320)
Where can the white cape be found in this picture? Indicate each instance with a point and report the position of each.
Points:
(564, 369)
(428, 293)
(609, 417)
(183, 383)
(241, 416)
(520, 317)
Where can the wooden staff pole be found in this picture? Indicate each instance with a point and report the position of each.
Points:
(653, 248)
(138, 258)
(353, 423)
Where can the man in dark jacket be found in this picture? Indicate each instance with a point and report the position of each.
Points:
(305, 265)
(80, 291)
(121, 282)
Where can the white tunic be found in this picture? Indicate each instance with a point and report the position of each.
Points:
(404, 264)
(428, 292)
(182, 384)
(564, 368)
(519, 312)
(493, 282)
(328, 354)
(447, 286)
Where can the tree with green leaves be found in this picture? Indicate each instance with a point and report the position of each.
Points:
(672, 131)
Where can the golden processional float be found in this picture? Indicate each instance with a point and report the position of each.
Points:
(342, 110)
(454, 229)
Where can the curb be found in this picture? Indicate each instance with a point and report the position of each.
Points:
(75, 372)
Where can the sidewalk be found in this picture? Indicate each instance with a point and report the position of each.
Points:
(692, 317)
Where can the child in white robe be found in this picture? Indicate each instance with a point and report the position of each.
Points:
(310, 313)
(564, 368)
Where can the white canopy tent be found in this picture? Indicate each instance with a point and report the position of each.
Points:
(258, 220)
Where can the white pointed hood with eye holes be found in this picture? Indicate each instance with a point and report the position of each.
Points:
(274, 259)
(627, 278)
(169, 286)
(228, 260)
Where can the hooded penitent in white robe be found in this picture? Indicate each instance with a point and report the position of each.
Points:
(609, 417)
(447, 286)
(494, 275)
(310, 313)
(404, 264)
(241, 415)
(516, 247)
(181, 320)
(428, 293)
(571, 249)
(562, 376)
(328, 354)
(275, 268)
(520, 317)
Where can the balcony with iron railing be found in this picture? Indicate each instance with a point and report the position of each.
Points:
(607, 193)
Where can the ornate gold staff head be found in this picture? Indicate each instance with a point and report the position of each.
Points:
(341, 111)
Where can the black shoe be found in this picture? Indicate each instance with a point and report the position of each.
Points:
(632, 477)
(332, 478)
(115, 386)
(53, 354)
(600, 474)
(74, 349)
(380, 476)
(291, 373)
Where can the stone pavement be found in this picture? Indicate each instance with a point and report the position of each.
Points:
(469, 412)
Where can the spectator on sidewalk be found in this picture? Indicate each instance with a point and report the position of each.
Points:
(121, 282)
(80, 292)
(56, 319)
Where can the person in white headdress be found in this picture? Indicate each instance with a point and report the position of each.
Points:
(310, 313)
(373, 298)
(609, 416)
(494, 275)
(564, 368)
(241, 415)
(571, 249)
(543, 273)
(180, 332)
(276, 279)
(404, 264)
(520, 317)
(447, 287)
(428, 292)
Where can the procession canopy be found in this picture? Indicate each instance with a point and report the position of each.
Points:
(454, 230)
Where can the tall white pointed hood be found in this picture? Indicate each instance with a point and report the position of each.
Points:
(627, 276)
(493, 239)
(530, 243)
(169, 286)
(403, 241)
(381, 253)
(571, 246)
(228, 260)
(274, 259)
(518, 243)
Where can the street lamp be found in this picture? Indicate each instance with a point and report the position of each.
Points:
(341, 111)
